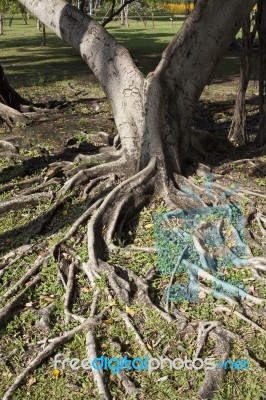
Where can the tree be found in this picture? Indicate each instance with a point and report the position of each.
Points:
(237, 131)
(13, 6)
(153, 116)
(261, 136)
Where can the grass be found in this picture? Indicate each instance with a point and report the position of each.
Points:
(22, 52)
(43, 73)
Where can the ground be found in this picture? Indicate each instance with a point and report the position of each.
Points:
(56, 76)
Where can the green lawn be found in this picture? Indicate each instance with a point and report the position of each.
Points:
(23, 55)
(28, 63)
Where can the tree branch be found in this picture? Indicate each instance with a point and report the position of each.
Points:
(110, 62)
(115, 13)
(199, 44)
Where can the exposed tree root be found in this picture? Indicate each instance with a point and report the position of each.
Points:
(213, 378)
(10, 116)
(24, 201)
(131, 327)
(110, 209)
(7, 260)
(127, 383)
(29, 274)
(204, 329)
(84, 176)
(173, 275)
(49, 350)
(24, 184)
(241, 316)
(226, 287)
(131, 248)
(6, 311)
(111, 201)
(69, 290)
(92, 353)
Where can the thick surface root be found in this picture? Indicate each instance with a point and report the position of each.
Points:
(110, 197)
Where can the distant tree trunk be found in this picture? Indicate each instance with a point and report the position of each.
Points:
(90, 7)
(24, 16)
(238, 131)
(188, 7)
(124, 14)
(261, 136)
(43, 35)
(1, 24)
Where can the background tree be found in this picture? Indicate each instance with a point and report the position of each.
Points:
(261, 21)
(12, 7)
(238, 132)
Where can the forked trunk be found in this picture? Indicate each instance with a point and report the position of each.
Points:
(153, 115)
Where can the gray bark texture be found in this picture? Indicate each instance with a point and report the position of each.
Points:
(238, 131)
(261, 137)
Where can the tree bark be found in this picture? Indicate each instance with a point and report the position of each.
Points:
(153, 114)
(261, 136)
(124, 13)
(238, 133)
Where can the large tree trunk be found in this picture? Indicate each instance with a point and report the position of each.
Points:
(153, 115)
(261, 137)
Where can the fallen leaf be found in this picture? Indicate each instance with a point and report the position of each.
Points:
(86, 289)
(149, 347)
(107, 321)
(56, 373)
(162, 379)
(130, 311)
(147, 226)
(31, 381)
(46, 298)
